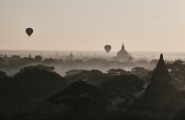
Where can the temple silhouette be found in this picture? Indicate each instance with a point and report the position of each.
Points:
(123, 55)
(130, 58)
(70, 56)
(160, 91)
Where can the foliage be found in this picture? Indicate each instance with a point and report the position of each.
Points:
(139, 71)
(142, 73)
(77, 96)
(123, 86)
(115, 115)
(118, 72)
(37, 82)
(38, 58)
(16, 57)
(94, 77)
(2, 61)
(40, 67)
(2, 74)
(177, 72)
(73, 72)
(180, 115)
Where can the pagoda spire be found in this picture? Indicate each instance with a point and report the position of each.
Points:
(123, 46)
(161, 64)
(160, 91)
(161, 74)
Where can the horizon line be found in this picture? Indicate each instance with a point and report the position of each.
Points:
(89, 50)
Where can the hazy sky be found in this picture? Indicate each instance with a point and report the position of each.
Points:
(143, 25)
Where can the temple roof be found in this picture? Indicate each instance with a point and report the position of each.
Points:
(160, 75)
(123, 47)
(161, 64)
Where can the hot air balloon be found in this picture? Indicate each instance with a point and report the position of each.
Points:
(29, 31)
(107, 48)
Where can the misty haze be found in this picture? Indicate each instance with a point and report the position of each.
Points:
(92, 60)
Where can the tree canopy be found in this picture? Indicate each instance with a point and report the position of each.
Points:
(122, 86)
(77, 96)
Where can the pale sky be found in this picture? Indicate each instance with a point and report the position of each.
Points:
(88, 25)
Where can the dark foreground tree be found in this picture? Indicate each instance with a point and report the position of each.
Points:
(123, 86)
(180, 115)
(2, 74)
(78, 96)
(28, 88)
(94, 77)
(38, 82)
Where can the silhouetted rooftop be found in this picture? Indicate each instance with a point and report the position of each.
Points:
(161, 64)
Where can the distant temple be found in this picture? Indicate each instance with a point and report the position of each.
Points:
(130, 58)
(29, 56)
(56, 54)
(70, 56)
(123, 55)
(6, 59)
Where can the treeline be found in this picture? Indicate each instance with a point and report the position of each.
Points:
(11, 65)
(39, 92)
(36, 88)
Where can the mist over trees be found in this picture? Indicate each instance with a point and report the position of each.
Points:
(38, 88)
(13, 64)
